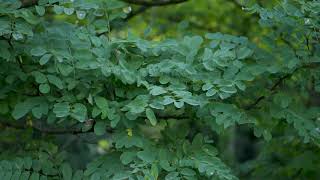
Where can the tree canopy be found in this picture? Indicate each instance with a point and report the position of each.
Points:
(147, 90)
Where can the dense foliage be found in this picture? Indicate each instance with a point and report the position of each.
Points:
(81, 100)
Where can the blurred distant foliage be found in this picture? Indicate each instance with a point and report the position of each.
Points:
(198, 17)
(162, 89)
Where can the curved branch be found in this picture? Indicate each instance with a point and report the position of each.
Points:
(272, 89)
(137, 12)
(278, 83)
(49, 130)
(70, 130)
(154, 3)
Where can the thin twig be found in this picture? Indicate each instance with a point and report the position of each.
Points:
(274, 87)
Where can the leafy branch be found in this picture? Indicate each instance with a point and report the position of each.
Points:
(271, 90)
(278, 83)
(71, 130)
(51, 130)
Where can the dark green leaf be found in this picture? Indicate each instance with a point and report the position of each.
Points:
(55, 81)
(151, 116)
(40, 10)
(100, 128)
(61, 109)
(66, 171)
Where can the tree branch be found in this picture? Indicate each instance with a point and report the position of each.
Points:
(137, 12)
(272, 89)
(71, 130)
(147, 5)
(47, 130)
(154, 3)
(278, 83)
(28, 3)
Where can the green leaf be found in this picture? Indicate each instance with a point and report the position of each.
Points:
(27, 161)
(147, 156)
(66, 171)
(101, 102)
(28, 16)
(35, 176)
(68, 11)
(21, 109)
(211, 92)
(137, 105)
(61, 109)
(96, 41)
(55, 81)
(192, 101)
(25, 175)
(44, 59)
(206, 87)
(121, 176)
(195, 42)
(40, 10)
(188, 172)
(154, 170)
(216, 36)
(16, 175)
(151, 116)
(96, 176)
(100, 128)
(167, 100)
(40, 110)
(58, 9)
(164, 164)
(103, 105)
(178, 104)
(81, 14)
(95, 112)
(79, 112)
(40, 78)
(164, 79)
(37, 112)
(44, 88)
(157, 90)
(230, 90)
(127, 157)
(172, 176)
(157, 105)
(78, 175)
(38, 51)
(207, 55)
(65, 69)
(244, 52)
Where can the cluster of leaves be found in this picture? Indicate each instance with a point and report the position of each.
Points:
(73, 73)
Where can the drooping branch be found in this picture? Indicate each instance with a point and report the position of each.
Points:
(50, 130)
(28, 3)
(145, 5)
(154, 3)
(137, 12)
(71, 130)
(273, 88)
